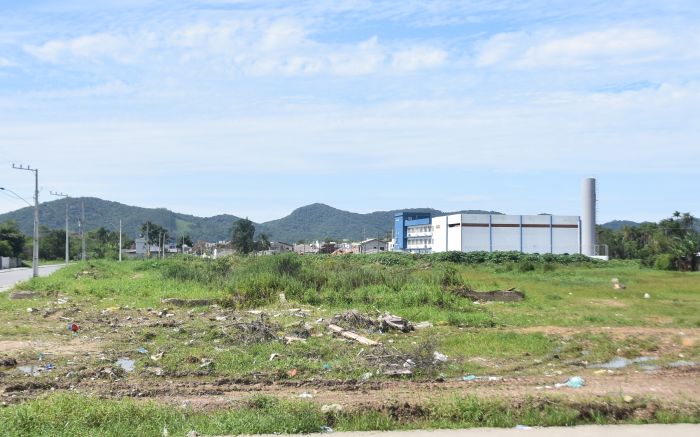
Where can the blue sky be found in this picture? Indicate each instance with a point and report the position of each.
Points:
(255, 108)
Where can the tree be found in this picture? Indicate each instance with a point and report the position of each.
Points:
(262, 243)
(15, 239)
(154, 232)
(242, 234)
(186, 239)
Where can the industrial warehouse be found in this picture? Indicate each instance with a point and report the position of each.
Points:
(416, 232)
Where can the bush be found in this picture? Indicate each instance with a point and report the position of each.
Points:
(664, 261)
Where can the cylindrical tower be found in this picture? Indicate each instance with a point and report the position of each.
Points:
(588, 234)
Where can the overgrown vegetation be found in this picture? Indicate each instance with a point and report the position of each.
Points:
(72, 415)
(671, 244)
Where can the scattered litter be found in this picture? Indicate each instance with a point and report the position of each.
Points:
(23, 295)
(283, 298)
(617, 285)
(621, 362)
(647, 296)
(256, 312)
(422, 325)
(523, 427)
(395, 322)
(331, 408)
(601, 371)
(327, 366)
(306, 395)
(165, 431)
(573, 382)
(31, 310)
(187, 302)
(292, 373)
(157, 356)
(73, 327)
(49, 366)
(366, 376)
(326, 429)
(142, 350)
(409, 364)
(273, 356)
(206, 363)
(156, 371)
(509, 295)
(290, 339)
(220, 318)
(353, 319)
(192, 433)
(397, 371)
(349, 334)
(31, 370)
(468, 377)
(628, 398)
(109, 310)
(126, 364)
(61, 301)
(438, 357)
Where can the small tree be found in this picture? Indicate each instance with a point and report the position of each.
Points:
(262, 243)
(10, 233)
(242, 234)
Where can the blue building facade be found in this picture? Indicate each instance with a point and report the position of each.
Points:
(402, 220)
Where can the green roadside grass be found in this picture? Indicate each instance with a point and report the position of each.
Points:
(73, 415)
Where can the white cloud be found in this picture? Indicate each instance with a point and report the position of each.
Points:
(416, 58)
(614, 45)
(91, 47)
(497, 48)
(4, 62)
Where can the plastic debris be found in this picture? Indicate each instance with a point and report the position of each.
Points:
(409, 364)
(142, 350)
(283, 298)
(573, 382)
(292, 373)
(366, 376)
(157, 356)
(306, 395)
(327, 366)
(523, 427)
(438, 357)
(73, 327)
(331, 408)
(469, 378)
(422, 325)
(273, 356)
(326, 429)
(647, 296)
(49, 366)
(193, 433)
(628, 398)
(32, 310)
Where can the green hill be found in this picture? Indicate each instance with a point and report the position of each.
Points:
(311, 222)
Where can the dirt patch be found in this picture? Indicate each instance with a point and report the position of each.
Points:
(610, 303)
(187, 302)
(67, 348)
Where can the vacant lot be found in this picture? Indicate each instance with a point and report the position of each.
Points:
(244, 345)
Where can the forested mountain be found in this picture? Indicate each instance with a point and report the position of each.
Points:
(311, 222)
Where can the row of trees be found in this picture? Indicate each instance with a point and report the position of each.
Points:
(671, 244)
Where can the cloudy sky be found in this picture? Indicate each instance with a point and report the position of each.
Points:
(257, 107)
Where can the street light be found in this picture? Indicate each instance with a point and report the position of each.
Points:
(16, 195)
(35, 242)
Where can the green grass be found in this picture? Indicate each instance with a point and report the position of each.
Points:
(72, 415)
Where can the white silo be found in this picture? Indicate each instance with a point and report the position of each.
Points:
(588, 233)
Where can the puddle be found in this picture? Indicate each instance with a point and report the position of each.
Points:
(31, 370)
(682, 364)
(621, 363)
(126, 363)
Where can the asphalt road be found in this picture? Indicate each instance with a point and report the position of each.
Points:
(676, 430)
(10, 277)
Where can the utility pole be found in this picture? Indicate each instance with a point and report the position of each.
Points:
(82, 225)
(120, 240)
(148, 240)
(67, 238)
(35, 243)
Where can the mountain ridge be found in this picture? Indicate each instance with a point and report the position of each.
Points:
(309, 222)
